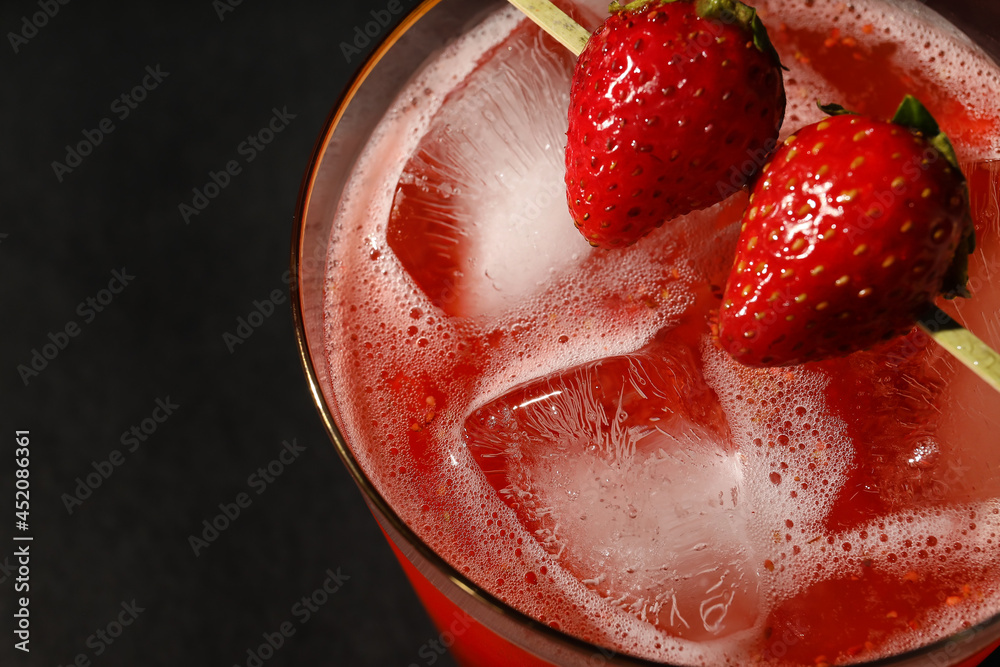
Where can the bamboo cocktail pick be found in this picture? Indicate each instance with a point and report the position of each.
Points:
(962, 344)
(556, 22)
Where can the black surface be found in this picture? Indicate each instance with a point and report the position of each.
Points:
(162, 336)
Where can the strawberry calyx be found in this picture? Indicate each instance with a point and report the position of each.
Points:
(835, 110)
(914, 116)
(724, 11)
(734, 11)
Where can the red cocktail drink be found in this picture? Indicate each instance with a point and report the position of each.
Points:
(549, 432)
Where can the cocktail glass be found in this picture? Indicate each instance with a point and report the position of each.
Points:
(479, 628)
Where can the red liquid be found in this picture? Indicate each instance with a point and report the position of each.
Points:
(889, 403)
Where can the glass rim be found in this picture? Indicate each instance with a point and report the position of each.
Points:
(374, 498)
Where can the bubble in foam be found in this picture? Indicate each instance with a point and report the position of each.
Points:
(874, 37)
(610, 307)
(793, 452)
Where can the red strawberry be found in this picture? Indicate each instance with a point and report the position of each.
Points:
(674, 104)
(854, 227)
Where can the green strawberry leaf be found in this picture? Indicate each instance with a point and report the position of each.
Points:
(835, 109)
(911, 113)
(914, 115)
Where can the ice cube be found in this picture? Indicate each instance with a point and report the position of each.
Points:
(479, 217)
(624, 471)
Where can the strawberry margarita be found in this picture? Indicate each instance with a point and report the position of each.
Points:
(557, 423)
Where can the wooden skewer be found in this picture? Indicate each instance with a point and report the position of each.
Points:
(962, 344)
(556, 22)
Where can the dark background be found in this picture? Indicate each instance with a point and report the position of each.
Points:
(63, 236)
(162, 338)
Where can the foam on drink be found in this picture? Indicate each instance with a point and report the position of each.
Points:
(420, 343)
(924, 57)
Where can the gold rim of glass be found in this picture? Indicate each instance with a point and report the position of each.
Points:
(374, 497)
